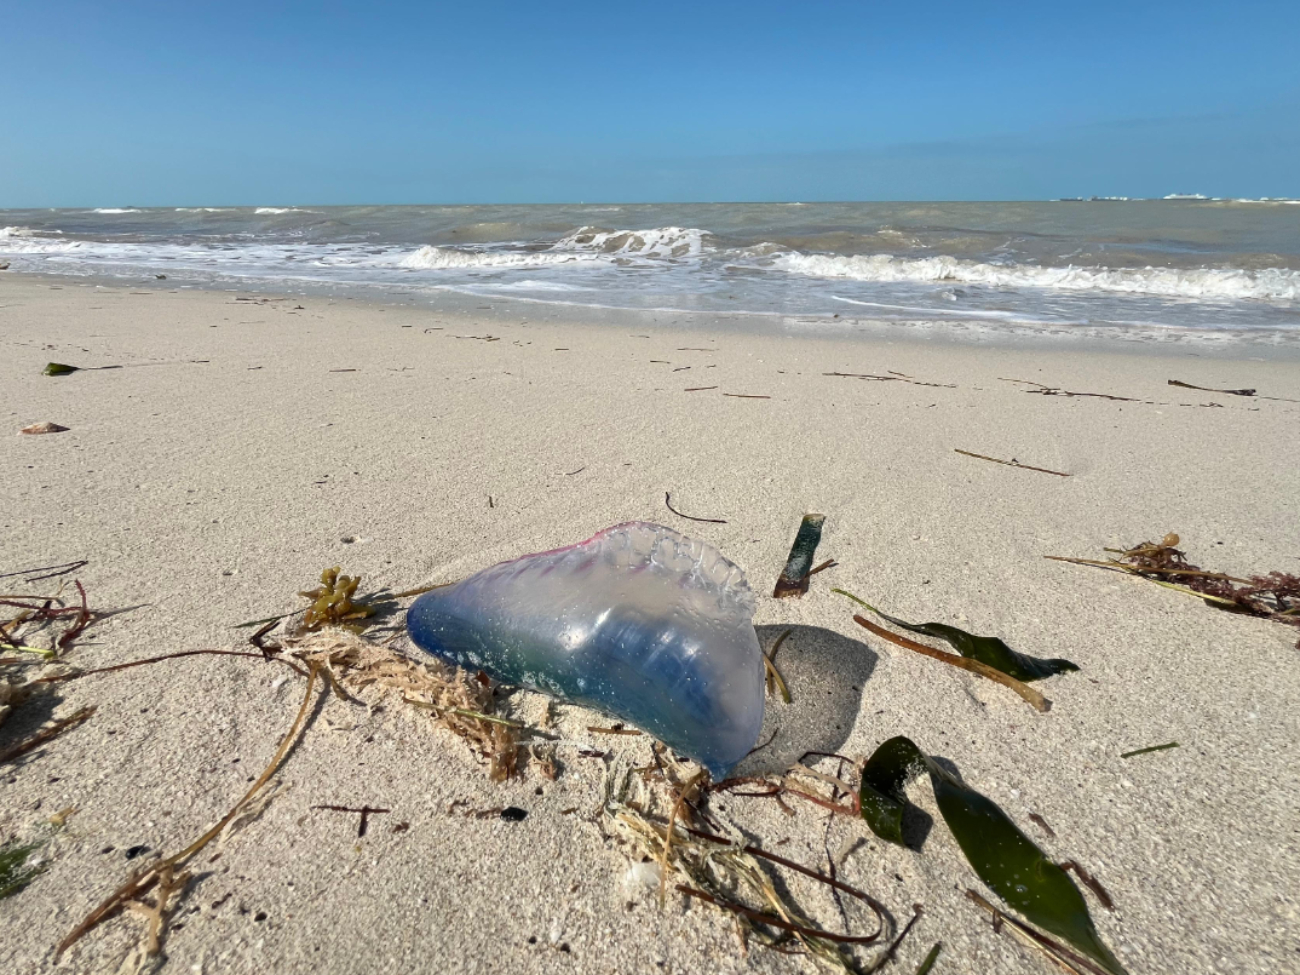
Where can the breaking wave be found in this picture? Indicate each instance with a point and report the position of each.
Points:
(1268, 284)
(586, 245)
(115, 210)
(432, 258)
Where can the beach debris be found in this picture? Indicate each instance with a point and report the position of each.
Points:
(4, 266)
(46, 427)
(456, 700)
(1208, 389)
(513, 814)
(20, 864)
(986, 649)
(668, 502)
(1033, 697)
(166, 877)
(333, 603)
(775, 681)
(698, 389)
(1011, 463)
(1043, 390)
(1005, 859)
(48, 733)
(578, 623)
(44, 614)
(365, 811)
(798, 567)
(892, 377)
(1149, 748)
(669, 828)
(745, 396)
(1274, 596)
(59, 369)
(927, 963)
(50, 571)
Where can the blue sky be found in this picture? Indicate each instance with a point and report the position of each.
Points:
(229, 103)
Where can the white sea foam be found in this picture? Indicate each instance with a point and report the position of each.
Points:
(430, 258)
(662, 242)
(1269, 284)
(115, 210)
(275, 210)
(587, 245)
(26, 240)
(203, 209)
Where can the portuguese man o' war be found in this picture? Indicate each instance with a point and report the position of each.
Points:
(637, 621)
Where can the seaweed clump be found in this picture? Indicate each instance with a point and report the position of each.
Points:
(1274, 596)
(334, 603)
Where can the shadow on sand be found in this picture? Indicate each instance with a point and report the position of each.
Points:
(827, 674)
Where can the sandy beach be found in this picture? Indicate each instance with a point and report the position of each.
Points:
(246, 442)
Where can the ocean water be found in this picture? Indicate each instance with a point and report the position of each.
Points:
(1185, 267)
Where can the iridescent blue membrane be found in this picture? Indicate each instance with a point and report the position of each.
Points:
(637, 621)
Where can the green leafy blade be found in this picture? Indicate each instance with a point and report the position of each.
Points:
(15, 871)
(930, 959)
(986, 649)
(1005, 859)
(59, 369)
(794, 578)
(880, 793)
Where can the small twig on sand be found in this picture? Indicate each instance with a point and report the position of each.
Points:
(50, 570)
(668, 501)
(365, 811)
(1055, 391)
(1012, 463)
(1210, 389)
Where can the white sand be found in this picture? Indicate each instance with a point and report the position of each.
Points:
(205, 494)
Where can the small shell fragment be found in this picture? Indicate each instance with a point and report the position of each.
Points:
(47, 427)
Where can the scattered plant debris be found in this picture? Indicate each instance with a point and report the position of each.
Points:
(1275, 596)
(1149, 748)
(365, 811)
(668, 501)
(1012, 463)
(48, 733)
(20, 865)
(673, 829)
(162, 877)
(1005, 859)
(986, 649)
(1208, 389)
(1035, 699)
(513, 814)
(891, 377)
(928, 962)
(456, 701)
(39, 614)
(59, 369)
(798, 567)
(50, 571)
(698, 389)
(774, 681)
(1054, 391)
